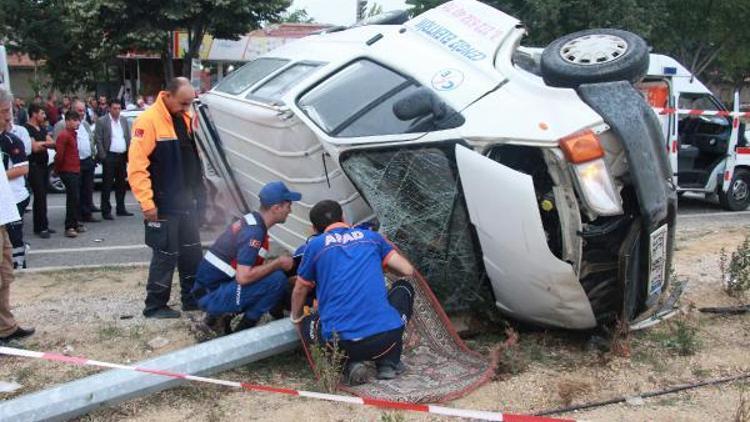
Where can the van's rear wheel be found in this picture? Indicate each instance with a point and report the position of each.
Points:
(594, 55)
(737, 198)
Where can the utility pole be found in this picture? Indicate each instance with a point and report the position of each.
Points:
(361, 9)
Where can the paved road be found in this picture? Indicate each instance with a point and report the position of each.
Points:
(121, 241)
(108, 242)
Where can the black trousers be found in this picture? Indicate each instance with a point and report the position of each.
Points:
(383, 348)
(86, 190)
(38, 179)
(72, 191)
(181, 248)
(15, 233)
(114, 173)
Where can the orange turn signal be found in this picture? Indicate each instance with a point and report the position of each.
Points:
(581, 147)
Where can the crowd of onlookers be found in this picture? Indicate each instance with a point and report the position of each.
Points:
(82, 133)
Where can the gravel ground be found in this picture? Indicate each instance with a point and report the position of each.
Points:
(97, 314)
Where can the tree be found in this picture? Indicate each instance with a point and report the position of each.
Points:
(703, 33)
(59, 33)
(225, 19)
(297, 16)
(374, 10)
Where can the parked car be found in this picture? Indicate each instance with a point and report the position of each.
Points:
(56, 185)
(534, 182)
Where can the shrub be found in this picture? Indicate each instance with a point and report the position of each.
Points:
(735, 269)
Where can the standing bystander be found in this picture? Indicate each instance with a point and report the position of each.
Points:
(101, 107)
(66, 105)
(14, 160)
(9, 329)
(165, 175)
(19, 112)
(68, 166)
(39, 169)
(112, 143)
(50, 107)
(87, 154)
(91, 110)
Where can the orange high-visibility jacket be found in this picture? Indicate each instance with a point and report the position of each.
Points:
(155, 169)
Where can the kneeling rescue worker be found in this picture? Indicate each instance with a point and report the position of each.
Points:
(345, 266)
(234, 277)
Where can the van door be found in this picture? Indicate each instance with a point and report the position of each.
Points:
(703, 141)
(528, 281)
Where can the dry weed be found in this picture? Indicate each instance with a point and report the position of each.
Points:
(511, 359)
(571, 389)
(620, 343)
(329, 363)
(743, 408)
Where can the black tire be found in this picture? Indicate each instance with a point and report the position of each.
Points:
(626, 61)
(737, 198)
(54, 183)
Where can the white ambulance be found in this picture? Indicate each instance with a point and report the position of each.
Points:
(705, 142)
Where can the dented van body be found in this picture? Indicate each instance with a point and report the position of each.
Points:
(552, 203)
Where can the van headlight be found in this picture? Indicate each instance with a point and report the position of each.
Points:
(597, 187)
(584, 151)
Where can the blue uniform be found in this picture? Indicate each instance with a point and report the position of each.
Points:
(345, 265)
(243, 243)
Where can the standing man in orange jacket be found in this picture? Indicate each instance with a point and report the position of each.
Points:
(165, 176)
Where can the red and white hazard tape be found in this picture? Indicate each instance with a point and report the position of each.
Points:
(383, 404)
(692, 112)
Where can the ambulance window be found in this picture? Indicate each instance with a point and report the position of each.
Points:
(358, 101)
(698, 102)
(275, 88)
(249, 74)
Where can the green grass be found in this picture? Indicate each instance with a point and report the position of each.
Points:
(392, 417)
(108, 331)
(674, 337)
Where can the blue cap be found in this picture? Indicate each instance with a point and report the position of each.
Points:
(275, 193)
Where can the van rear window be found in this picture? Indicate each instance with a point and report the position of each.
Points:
(249, 74)
(273, 89)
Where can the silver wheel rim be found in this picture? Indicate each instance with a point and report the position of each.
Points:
(739, 190)
(594, 49)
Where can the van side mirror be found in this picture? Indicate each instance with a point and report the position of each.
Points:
(421, 102)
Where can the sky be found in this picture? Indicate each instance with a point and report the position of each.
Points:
(340, 12)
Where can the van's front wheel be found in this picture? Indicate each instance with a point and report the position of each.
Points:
(737, 198)
(594, 55)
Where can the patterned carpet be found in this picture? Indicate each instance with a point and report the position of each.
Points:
(439, 366)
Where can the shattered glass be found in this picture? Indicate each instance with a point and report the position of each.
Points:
(416, 196)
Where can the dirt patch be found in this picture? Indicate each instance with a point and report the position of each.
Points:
(98, 314)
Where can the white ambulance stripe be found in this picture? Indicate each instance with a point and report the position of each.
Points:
(218, 263)
(250, 220)
(263, 253)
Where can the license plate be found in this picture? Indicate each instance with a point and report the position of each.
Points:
(657, 260)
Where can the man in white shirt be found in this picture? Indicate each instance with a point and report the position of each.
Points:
(23, 134)
(9, 329)
(15, 160)
(112, 143)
